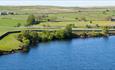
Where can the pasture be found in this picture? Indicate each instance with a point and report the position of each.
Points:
(61, 17)
(9, 42)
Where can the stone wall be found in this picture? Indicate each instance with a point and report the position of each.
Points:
(7, 33)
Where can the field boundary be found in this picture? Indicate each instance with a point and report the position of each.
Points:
(7, 33)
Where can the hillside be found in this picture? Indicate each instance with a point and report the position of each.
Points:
(37, 9)
(51, 9)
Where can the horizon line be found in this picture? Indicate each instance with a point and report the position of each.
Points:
(61, 6)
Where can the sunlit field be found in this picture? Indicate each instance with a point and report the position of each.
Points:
(9, 42)
(60, 18)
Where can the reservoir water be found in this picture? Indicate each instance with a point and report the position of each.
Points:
(75, 54)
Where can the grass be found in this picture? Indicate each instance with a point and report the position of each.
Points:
(8, 22)
(9, 42)
(12, 21)
(4, 29)
(97, 15)
(78, 23)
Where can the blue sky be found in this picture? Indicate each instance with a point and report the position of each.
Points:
(67, 3)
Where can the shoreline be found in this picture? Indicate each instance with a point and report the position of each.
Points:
(25, 49)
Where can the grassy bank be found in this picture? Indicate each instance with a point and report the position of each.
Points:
(23, 40)
(9, 43)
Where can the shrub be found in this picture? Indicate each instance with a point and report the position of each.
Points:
(83, 34)
(32, 36)
(91, 21)
(68, 30)
(18, 25)
(26, 42)
(88, 26)
(95, 34)
(59, 34)
(105, 30)
(19, 37)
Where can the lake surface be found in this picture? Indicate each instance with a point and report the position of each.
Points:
(75, 54)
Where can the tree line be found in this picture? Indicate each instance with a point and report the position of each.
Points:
(29, 37)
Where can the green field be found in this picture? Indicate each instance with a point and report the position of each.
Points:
(8, 43)
(12, 20)
(78, 16)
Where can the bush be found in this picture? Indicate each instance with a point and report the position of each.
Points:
(91, 21)
(18, 25)
(68, 31)
(19, 37)
(105, 30)
(45, 36)
(95, 34)
(83, 34)
(59, 34)
(26, 42)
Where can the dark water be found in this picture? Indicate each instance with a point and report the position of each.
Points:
(76, 54)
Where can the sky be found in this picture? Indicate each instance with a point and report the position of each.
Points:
(65, 3)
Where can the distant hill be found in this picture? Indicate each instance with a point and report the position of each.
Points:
(50, 9)
(37, 9)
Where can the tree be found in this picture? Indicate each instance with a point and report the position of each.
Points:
(30, 20)
(77, 18)
(59, 34)
(26, 34)
(25, 46)
(91, 21)
(68, 30)
(44, 36)
(26, 42)
(33, 37)
(19, 37)
(105, 30)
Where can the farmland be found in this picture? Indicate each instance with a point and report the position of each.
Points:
(60, 16)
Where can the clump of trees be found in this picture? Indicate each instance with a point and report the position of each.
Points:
(30, 20)
(33, 20)
(56, 35)
(29, 37)
(48, 36)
